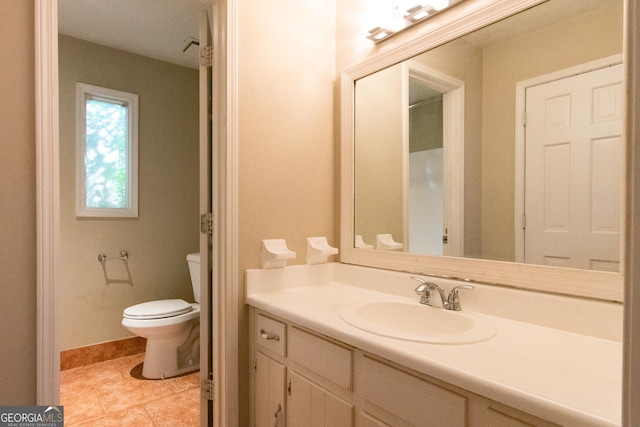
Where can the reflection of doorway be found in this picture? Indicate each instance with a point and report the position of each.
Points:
(574, 139)
(426, 200)
(434, 163)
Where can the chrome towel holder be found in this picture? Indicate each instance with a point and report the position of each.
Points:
(124, 257)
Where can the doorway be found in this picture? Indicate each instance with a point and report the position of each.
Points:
(434, 153)
(50, 207)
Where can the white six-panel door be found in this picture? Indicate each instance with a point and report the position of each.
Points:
(573, 171)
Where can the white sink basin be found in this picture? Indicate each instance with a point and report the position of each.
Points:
(417, 322)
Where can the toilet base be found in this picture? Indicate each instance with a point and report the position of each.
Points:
(155, 371)
(163, 360)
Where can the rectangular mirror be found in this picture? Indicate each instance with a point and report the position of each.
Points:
(500, 142)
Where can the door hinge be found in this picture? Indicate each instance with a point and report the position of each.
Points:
(289, 387)
(524, 221)
(206, 223)
(206, 56)
(208, 390)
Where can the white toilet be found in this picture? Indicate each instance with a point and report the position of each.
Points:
(172, 330)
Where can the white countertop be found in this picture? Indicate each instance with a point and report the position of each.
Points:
(563, 377)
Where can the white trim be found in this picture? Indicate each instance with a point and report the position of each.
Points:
(453, 138)
(47, 202)
(225, 192)
(447, 25)
(406, 133)
(85, 91)
(521, 91)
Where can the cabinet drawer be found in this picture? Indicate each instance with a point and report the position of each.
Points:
(271, 334)
(325, 358)
(412, 399)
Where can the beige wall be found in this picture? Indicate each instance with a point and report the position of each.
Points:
(167, 227)
(379, 135)
(17, 205)
(286, 149)
(504, 65)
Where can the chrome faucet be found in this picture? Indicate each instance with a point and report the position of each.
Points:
(424, 290)
(451, 302)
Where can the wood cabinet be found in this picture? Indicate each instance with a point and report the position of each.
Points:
(408, 399)
(309, 404)
(270, 384)
(304, 379)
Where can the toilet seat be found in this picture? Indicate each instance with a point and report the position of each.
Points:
(160, 309)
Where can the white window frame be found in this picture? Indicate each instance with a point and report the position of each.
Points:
(130, 100)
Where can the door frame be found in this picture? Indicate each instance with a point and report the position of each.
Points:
(452, 90)
(48, 208)
(47, 202)
(520, 138)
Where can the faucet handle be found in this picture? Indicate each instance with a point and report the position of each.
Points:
(453, 299)
(422, 286)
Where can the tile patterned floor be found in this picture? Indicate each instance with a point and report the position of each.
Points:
(113, 393)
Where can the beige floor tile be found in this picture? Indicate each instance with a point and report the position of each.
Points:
(126, 364)
(128, 392)
(80, 404)
(184, 382)
(106, 394)
(90, 375)
(182, 409)
(133, 417)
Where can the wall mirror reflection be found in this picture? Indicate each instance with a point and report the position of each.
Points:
(465, 85)
(504, 144)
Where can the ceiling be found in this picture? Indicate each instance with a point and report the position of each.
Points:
(543, 15)
(158, 29)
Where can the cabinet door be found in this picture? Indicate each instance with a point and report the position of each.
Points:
(309, 405)
(270, 392)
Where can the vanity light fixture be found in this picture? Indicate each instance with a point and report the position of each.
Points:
(411, 16)
(378, 34)
(418, 13)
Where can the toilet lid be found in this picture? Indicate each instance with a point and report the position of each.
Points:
(158, 309)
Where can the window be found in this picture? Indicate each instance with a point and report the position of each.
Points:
(107, 152)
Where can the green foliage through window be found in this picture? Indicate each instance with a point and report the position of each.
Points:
(106, 154)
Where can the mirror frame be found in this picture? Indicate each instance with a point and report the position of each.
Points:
(448, 25)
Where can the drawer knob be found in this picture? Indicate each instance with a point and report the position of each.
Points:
(268, 337)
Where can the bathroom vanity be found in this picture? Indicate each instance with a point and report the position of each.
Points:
(311, 367)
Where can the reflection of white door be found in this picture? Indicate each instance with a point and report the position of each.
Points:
(573, 171)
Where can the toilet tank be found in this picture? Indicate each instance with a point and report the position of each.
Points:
(194, 270)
